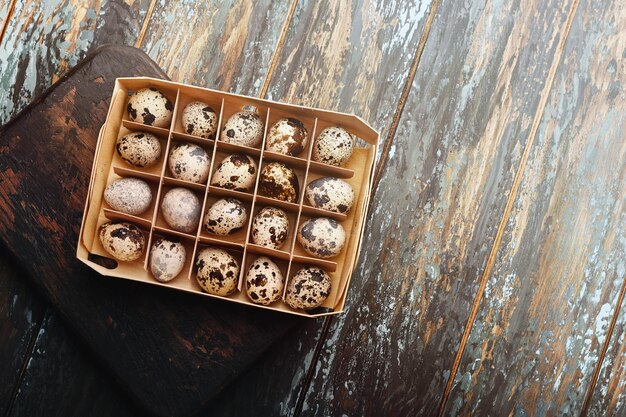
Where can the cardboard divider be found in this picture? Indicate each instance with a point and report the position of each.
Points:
(290, 257)
(185, 97)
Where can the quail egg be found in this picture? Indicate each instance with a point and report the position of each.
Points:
(243, 128)
(225, 217)
(167, 259)
(189, 162)
(264, 281)
(181, 210)
(236, 172)
(287, 136)
(199, 119)
(333, 146)
(308, 288)
(218, 271)
(270, 228)
(279, 181)
(124, 241)
(330, 193)
(322, 237)
(139, 149)
(128, 195)
(150, 107)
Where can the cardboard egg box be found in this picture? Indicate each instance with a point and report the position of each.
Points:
(108, 166)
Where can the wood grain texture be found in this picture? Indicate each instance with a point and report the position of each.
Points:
(120, 22)
(273, 386)
(437, 207)
(207, 344)
(42, 41)
(556, 280)
(225, 45)
(71, 384)
(21, 314)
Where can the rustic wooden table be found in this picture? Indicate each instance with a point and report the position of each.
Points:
(494, 262)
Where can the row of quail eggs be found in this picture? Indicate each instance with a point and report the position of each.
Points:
(288, 136)
(217, 270)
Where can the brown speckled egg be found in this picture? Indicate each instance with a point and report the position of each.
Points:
(243, 128)
(123, 241)
(199, 119)
(218, 271)
(225, 217)
(181, 210)
(236, 172)
(128, 195)
(270, 228)
(333, 146)
(287, 136)
(264, 281)
(330, 193)
(150, 107)
(189, 162)
(280, 182)
(308, 288)
(167, 259)
(139, 149)
(322, 237)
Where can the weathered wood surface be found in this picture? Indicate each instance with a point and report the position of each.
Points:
(60, 379)
(207, 343)
(21, 313)
(226, 45)
(437, 208)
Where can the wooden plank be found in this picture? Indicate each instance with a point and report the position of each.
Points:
(20, 316)
(120, 22)
(435, 213)
(312, 45)
(62, 379)
(557, 276)
(608, 396)
(225, 45)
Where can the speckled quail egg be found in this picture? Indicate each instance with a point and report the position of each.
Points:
(167, 259)
(279, 181)
(225, 217)
(287, 136)
(243, 128)
(270, 228)
(189, 162)
(218, 271)
(330, 193)
(199, 119)
(150, 107)
(308, 288)
(322, 237)
(139, 149)
(128, 195)
(236, 172)
(333, 146)
(123, 241)
(264, 281)
(181, 210)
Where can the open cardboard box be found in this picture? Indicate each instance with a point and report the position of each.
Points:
(108, 166)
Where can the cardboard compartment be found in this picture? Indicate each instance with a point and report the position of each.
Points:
(237, 239)
(358, 172)
(212, 100)
(159, 221)
(300, 160)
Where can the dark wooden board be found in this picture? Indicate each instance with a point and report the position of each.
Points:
(21, 313)
(70, 385)
(142, 334)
